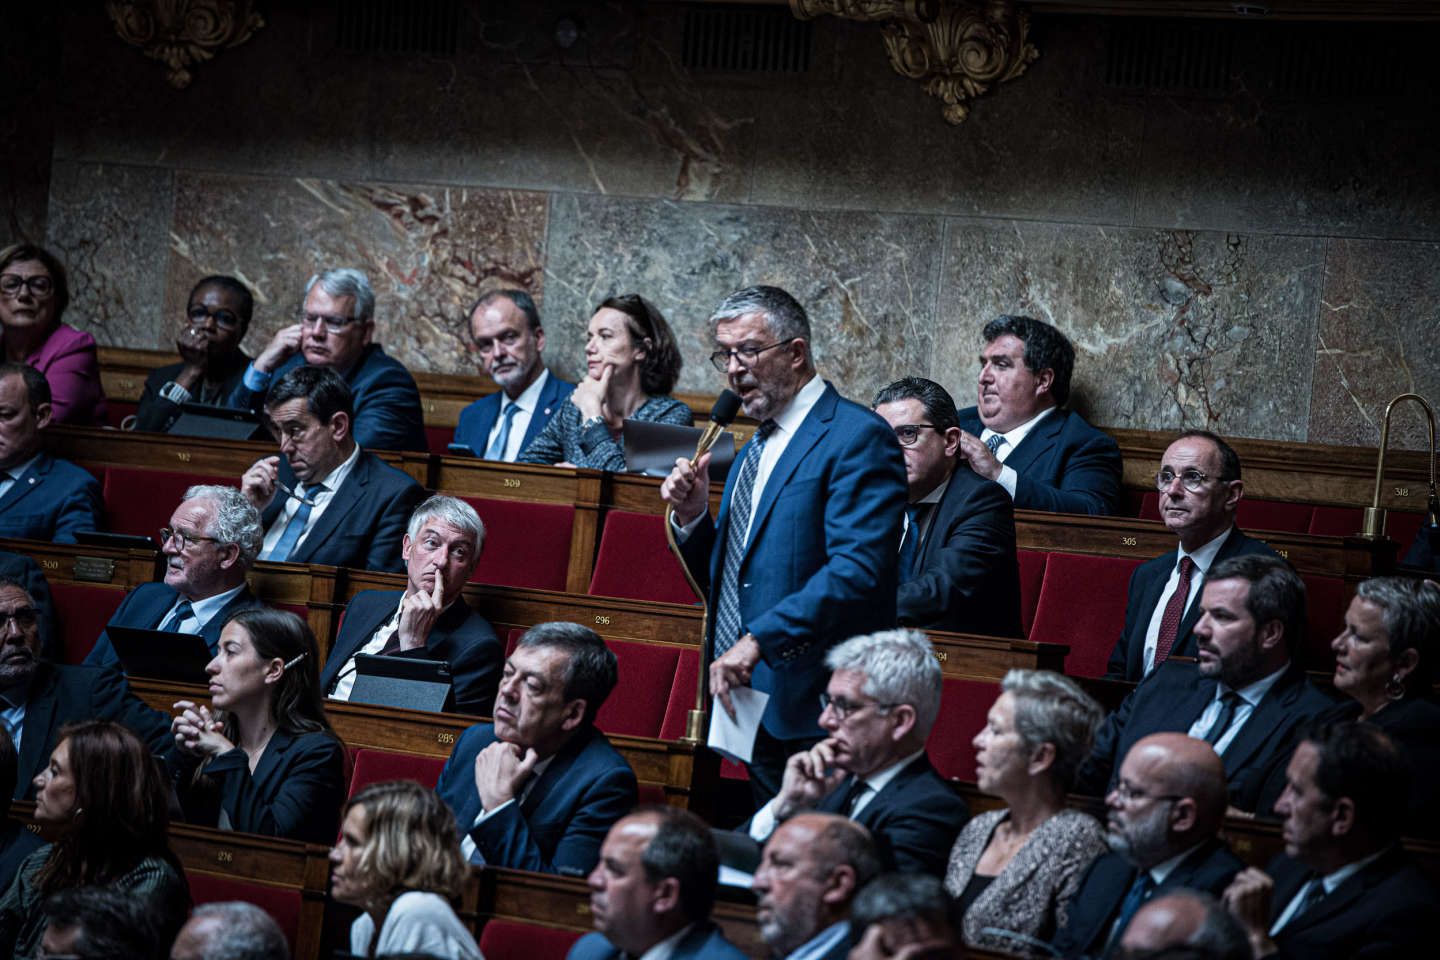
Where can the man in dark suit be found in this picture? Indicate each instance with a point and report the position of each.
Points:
(1200, 489)
(1020, 435)
(654, 887)
(1165, 815)
(429, 619)
(812, 868)
(335, 329)
(26, 572)
(957, 557)
(217, 318)
(38, 698)
(1344, 887)
(1245, 696)
(210, 545)
(505, 327)
(880, 704)
(540, 787)
(41, 497)
(803, 553)
(338, 504)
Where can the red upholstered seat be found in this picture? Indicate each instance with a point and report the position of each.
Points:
(647, 675)
(1132, 502)
(140, 502)
(83, 610)
(1402, 527)
(526, 544)
(117, 410)
(283, 904)
(1336, 521)
(1032, 573)
(682, 695)
(635, 562)
(377, 766)
(437, 439)
(1274, 515)
(1325, 601)
(510, 938)
(512, 639)
(963, 706)
(1150, 506)
(1082, 603)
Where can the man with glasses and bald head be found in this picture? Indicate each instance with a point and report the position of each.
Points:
(334, 330)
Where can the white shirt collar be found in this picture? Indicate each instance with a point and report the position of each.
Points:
(1014, 435)
(1256, 691)
(20, 469)
(881, 779)
(1164, 868)
(1204, 556)
(529, 398)
(821, 944)
(666, 948)
(205, 609)
(336, 477)
(800, 405)
(1334, 878)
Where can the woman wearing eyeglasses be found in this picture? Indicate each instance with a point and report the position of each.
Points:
(33, 298)
(262, 757)
(632, 363)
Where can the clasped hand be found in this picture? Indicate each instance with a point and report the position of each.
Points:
(197, 731)
(501, 769)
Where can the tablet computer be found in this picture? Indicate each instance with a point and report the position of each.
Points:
(653, 448)
(225, 423)
(160, 654)
(401, 682)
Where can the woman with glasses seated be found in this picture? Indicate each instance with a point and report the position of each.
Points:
(33, 298)
(262, 757)
(1015, 870)
(632, 363)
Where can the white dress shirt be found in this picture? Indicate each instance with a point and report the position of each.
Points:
(764, 822)
(1204, 559)
(321, 497)
(16, 472)
(201, 611)
(1008, 477)
(528, 402)
(1330, 882)
(1250, 698)
(665, 949)
(346, 681)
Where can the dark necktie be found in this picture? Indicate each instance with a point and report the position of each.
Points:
(291, 534)
(910, 545)
(737, 524)
(857, 790)
(1140, 891)
(496, 450)
(182, 612)
(996, 439)
(1228, 703)
(1174, 611)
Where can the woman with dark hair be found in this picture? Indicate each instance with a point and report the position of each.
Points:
(262, 758)
(398, 859)
(632, 363)
(104, 796)
(33, 298)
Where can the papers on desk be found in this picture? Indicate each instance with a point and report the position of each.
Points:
(735, 739)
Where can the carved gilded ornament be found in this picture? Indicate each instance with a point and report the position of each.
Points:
(181, 33)
(956, 48)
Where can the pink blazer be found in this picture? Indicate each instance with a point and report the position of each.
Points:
(69, 361)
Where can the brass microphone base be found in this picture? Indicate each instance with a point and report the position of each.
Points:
(1372, 526)
(694, 727)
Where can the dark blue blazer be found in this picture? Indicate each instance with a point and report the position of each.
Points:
(705, 941)
(61, 694)
(1208, 868)
(478, 419)
(1063, 465)
(387, 401)
(157, 414)
(562, 823)
(820, 566)
(27, 573)
(295, 793)
(461, 637)
(145, 607)
(1173, 697)
(1386, 910)
(966, 577)
(16, 843)
(1127, 660)
(364, 523)
(914, 819)
(53, 501)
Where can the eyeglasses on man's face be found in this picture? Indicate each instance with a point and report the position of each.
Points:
(1190, 478)
(908, 433)
(1126, 793)
(22, 617)
(182, 539)
(845, 708)
(40, 286)
(746, 353)
(200, 316)
(333, 324)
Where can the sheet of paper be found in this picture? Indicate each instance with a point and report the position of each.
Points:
(731, 877)
(736, 738)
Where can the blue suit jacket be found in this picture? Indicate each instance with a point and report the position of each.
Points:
(1064, 465)
(914, 819)
(461, 637)
(145, 607)
(1127, 660)
(820, 566)
(387, 401)
(364, 523)
(478, 419)
(1173, 697)
(295, 793)
(705, 941)
(53, 501)
(563, 821)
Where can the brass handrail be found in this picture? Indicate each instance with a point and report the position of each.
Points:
(1373, 527)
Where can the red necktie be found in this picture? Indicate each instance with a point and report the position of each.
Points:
(1174, 611)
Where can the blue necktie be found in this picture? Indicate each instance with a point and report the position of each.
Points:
(291, 534)
(1140, 891)
(994, 442)
(727, 613)
(182, 612)
(1229, 701)
(910, 546)
(496, 450)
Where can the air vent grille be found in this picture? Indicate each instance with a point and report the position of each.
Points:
(1169, 56)
(423, 27)
(746, 39)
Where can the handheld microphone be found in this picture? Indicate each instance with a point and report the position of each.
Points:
(727, 405)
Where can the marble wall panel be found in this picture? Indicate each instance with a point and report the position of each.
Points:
(109, 224)
(1379, 336)
(428, 250)
(867, 280)
(1171, 328)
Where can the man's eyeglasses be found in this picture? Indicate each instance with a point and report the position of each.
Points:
(332, 324)
(40, 286)
(185, 540)
(747, 355)
(844, 708)
(199, 316)
(1191, 479)
(1126, 794)
(908, 433)
(24, 618)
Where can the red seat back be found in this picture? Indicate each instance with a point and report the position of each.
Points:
(1274, 515)
(963, 707)
(83, 610)
(377, 766)
(510, 938)
(1150, 506)
(1082, 603)
(1325, 602)
(1032, 573)
(1335, 521)
(283, 904)
(437, 439)
(526, 544)
(1402, 527)
(635, 562)
(512, 639)
(139, 502)
(682, 695)
(647, 675)
(117, 410)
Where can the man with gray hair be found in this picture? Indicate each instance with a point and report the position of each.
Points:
(210, 544)
(429, 619)
(810, 873)
(804, 550)
(1187, 918)
(334, 330)
(881, 701)
(230, 930)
